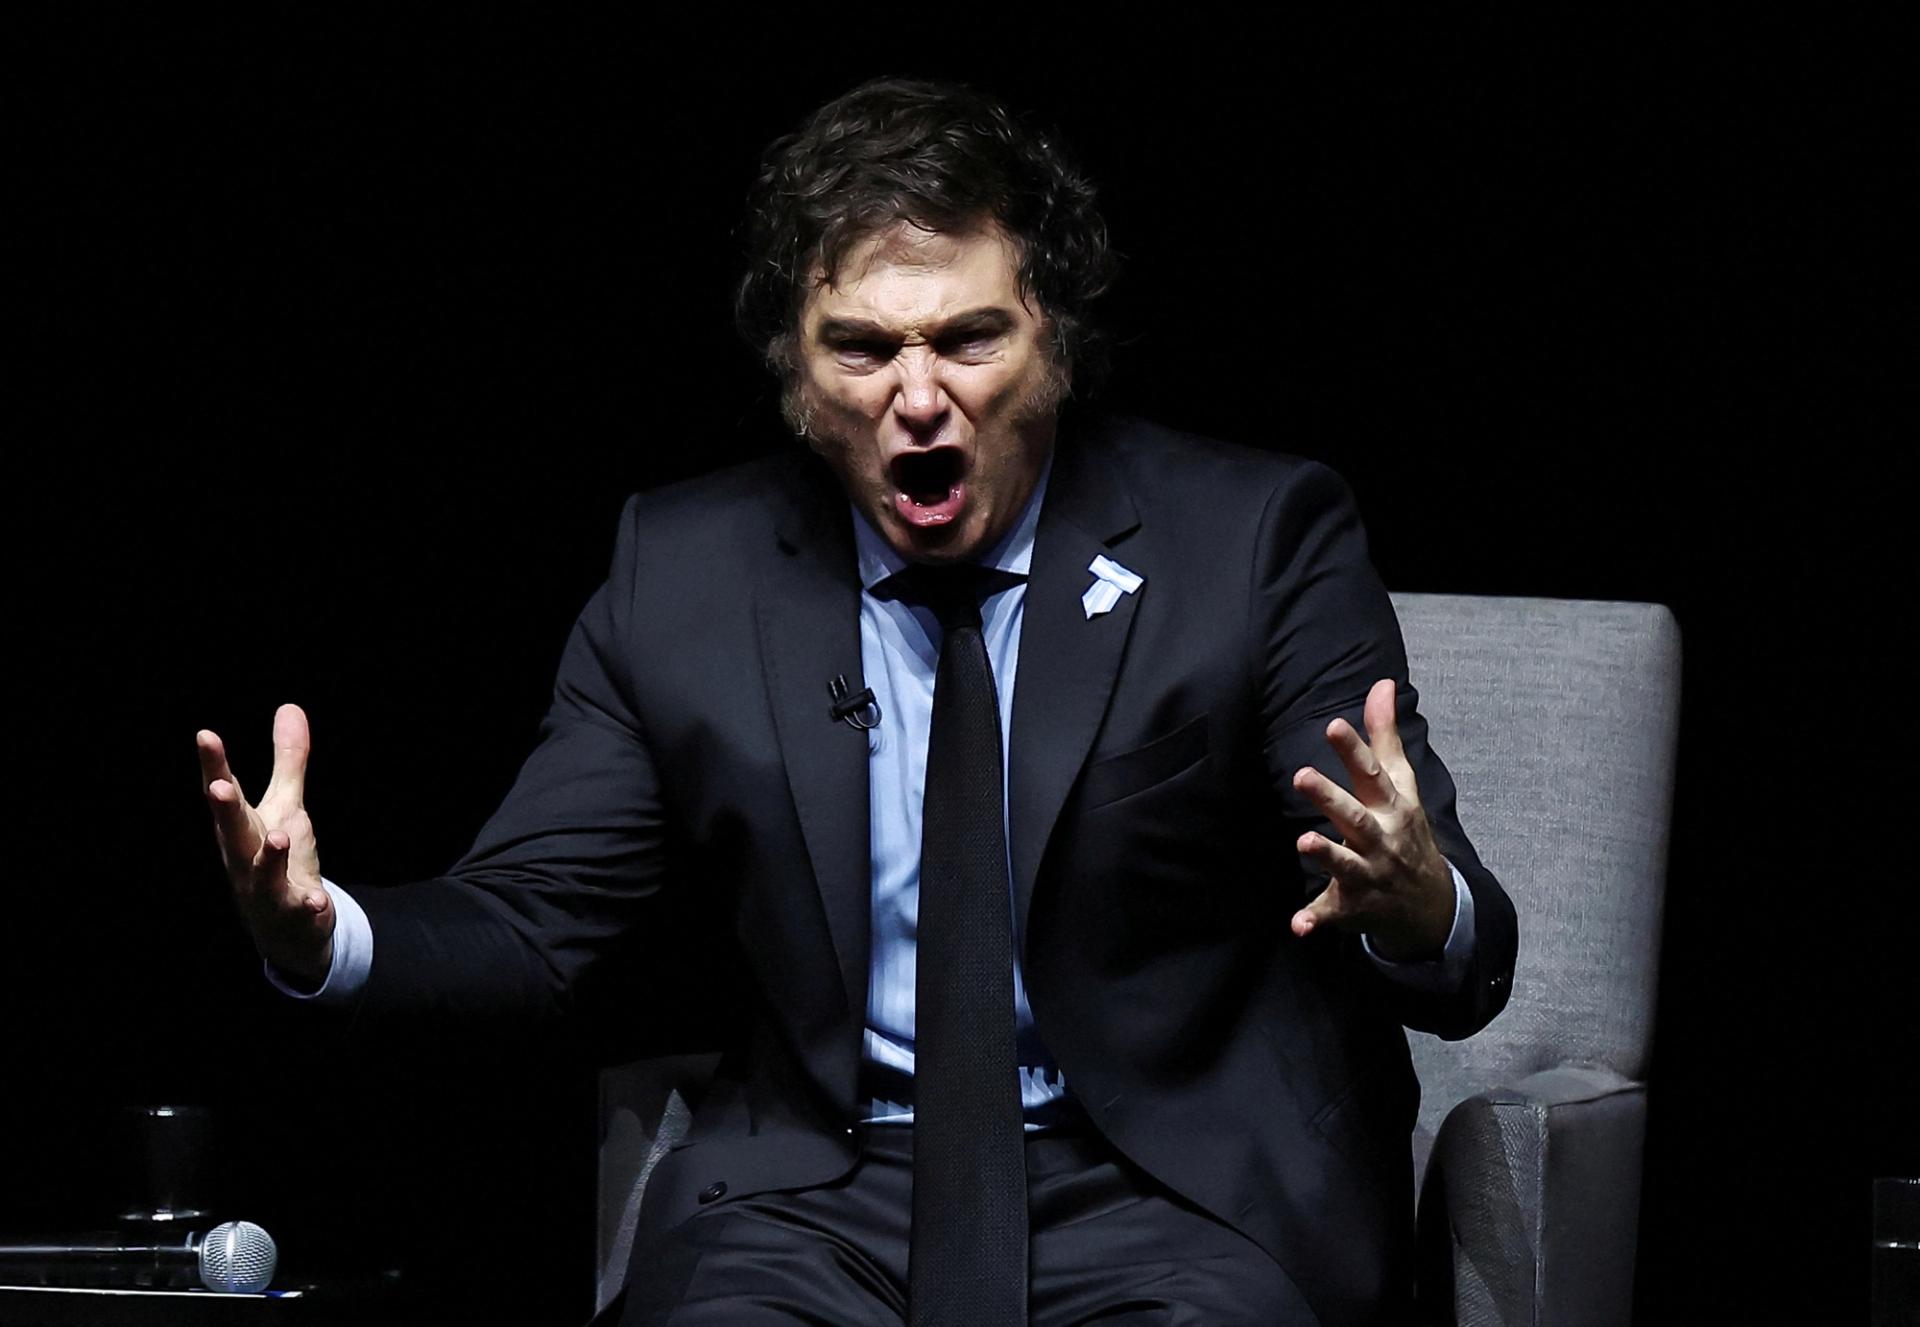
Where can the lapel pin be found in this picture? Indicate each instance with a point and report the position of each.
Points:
(1110, 581)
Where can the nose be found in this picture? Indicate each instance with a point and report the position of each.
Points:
(920, 404)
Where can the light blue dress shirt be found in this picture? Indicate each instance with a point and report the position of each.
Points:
(899, 655)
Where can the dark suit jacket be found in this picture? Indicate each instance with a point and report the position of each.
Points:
(689, 768)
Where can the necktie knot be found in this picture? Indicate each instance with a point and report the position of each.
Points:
(953, 591)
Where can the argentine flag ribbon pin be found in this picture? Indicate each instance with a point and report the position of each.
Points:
(1111, 580)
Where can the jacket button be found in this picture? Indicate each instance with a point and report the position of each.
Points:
(718, 1189)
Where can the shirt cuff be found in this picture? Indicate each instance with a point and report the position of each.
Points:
(352, 953)
(1445, 973)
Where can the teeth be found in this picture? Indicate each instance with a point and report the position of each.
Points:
(926, 508)
(928, 476)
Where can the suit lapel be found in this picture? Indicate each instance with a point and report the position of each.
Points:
(1068, 661)
(808, 604)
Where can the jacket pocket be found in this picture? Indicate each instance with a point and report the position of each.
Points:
(1370, 1120)
(1135, 771)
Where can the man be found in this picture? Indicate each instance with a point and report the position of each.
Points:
(1022, 759)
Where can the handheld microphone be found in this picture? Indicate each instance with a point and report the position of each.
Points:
(234, 1258)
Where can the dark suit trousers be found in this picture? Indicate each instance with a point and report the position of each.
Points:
(1107, 1244)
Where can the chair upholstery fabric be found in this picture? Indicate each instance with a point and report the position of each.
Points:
(1559, 720)
(1532, 1200)
(643, 1113)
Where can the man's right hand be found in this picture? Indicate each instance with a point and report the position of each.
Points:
(271, 856)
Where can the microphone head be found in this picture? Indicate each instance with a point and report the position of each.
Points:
(238, 1258)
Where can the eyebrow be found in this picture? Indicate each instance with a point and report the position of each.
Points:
(993, 321)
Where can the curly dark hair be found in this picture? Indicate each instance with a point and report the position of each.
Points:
(945, 157)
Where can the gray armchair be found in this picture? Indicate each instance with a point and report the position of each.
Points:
(1557, 719)
(643, 1112)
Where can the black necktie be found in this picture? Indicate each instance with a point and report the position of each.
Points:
(967, 1260)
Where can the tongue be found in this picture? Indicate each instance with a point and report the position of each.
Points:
(930, 490)
(931, 508)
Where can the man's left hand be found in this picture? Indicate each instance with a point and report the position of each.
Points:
(1388, 877)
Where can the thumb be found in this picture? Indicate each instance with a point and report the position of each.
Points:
(292, 743)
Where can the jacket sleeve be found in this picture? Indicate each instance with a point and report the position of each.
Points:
(1324, 633)
(570, 870)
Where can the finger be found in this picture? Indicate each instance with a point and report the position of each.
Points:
(1323, 910)
(1382, 714)
(303, 851)
(1370, 782)
(1330, 858)
(213, 758)
(1354, 821)
(290, 920)
(275, 871)
(232, 826)
(266, 879)
(1383, 720)
(292, 743)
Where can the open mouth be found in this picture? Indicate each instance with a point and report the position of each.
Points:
(929, 486)
(928, 478)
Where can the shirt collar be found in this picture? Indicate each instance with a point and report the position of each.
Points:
(1013, 553)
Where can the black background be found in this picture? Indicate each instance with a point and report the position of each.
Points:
(346, 341)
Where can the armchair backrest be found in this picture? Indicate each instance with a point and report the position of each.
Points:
(1558, 719)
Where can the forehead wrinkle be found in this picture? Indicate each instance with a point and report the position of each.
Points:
(903, 314)
(860, 262)
(907, 244)
(918, 256)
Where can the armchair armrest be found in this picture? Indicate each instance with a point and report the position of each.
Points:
(1532, 1202)
(644, 1111)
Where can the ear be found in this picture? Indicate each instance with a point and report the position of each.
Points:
(1053, 344)
(795, 407)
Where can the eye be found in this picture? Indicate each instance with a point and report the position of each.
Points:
(968, 345)
(864, 351)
